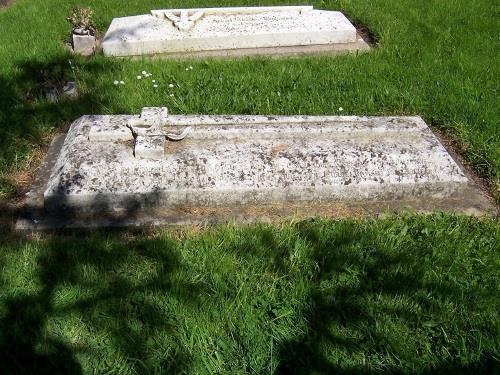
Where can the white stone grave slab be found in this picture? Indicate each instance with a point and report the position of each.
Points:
(171, 31)
(113, 163)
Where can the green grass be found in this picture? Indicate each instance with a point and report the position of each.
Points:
(436, 58)
(408, 295)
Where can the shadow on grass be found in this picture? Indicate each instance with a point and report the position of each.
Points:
(349, 306)
(28, 120)
(117, 308)
(116, 302)
(27, 116)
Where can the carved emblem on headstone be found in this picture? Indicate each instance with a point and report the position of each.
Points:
(183, 20)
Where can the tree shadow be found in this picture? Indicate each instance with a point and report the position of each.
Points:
(28, 119)
(117, 307)
(27, 116)
(22, 327)
(344, 306)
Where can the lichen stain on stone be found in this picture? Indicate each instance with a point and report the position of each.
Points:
(270, 162)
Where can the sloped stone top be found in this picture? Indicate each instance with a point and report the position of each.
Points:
(249, 159)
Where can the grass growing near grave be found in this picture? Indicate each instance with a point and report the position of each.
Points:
(436, 59)
(413, 295)
(409, 294)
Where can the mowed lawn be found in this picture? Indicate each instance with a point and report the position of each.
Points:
(403, 294)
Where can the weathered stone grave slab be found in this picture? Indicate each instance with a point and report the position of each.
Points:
(250, 30)
(158, 168)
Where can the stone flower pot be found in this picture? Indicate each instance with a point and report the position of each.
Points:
(84, 41)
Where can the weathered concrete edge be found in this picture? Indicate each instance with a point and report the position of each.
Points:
(34, 205)
(473, 205)
(360, 46)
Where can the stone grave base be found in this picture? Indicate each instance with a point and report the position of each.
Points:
(470, 203)
(357, 47)
(162, 170)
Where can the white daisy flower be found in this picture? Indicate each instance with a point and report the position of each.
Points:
(191, 67)
(155, 86)
(341, 109)
(116, 82)
(122, 82)
(144, 72)
(171, 95)
(154, 81)
(171, 85)
(139, 77)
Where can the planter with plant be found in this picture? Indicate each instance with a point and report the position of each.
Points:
(84, 33)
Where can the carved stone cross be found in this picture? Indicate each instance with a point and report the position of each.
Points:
(147, 131)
